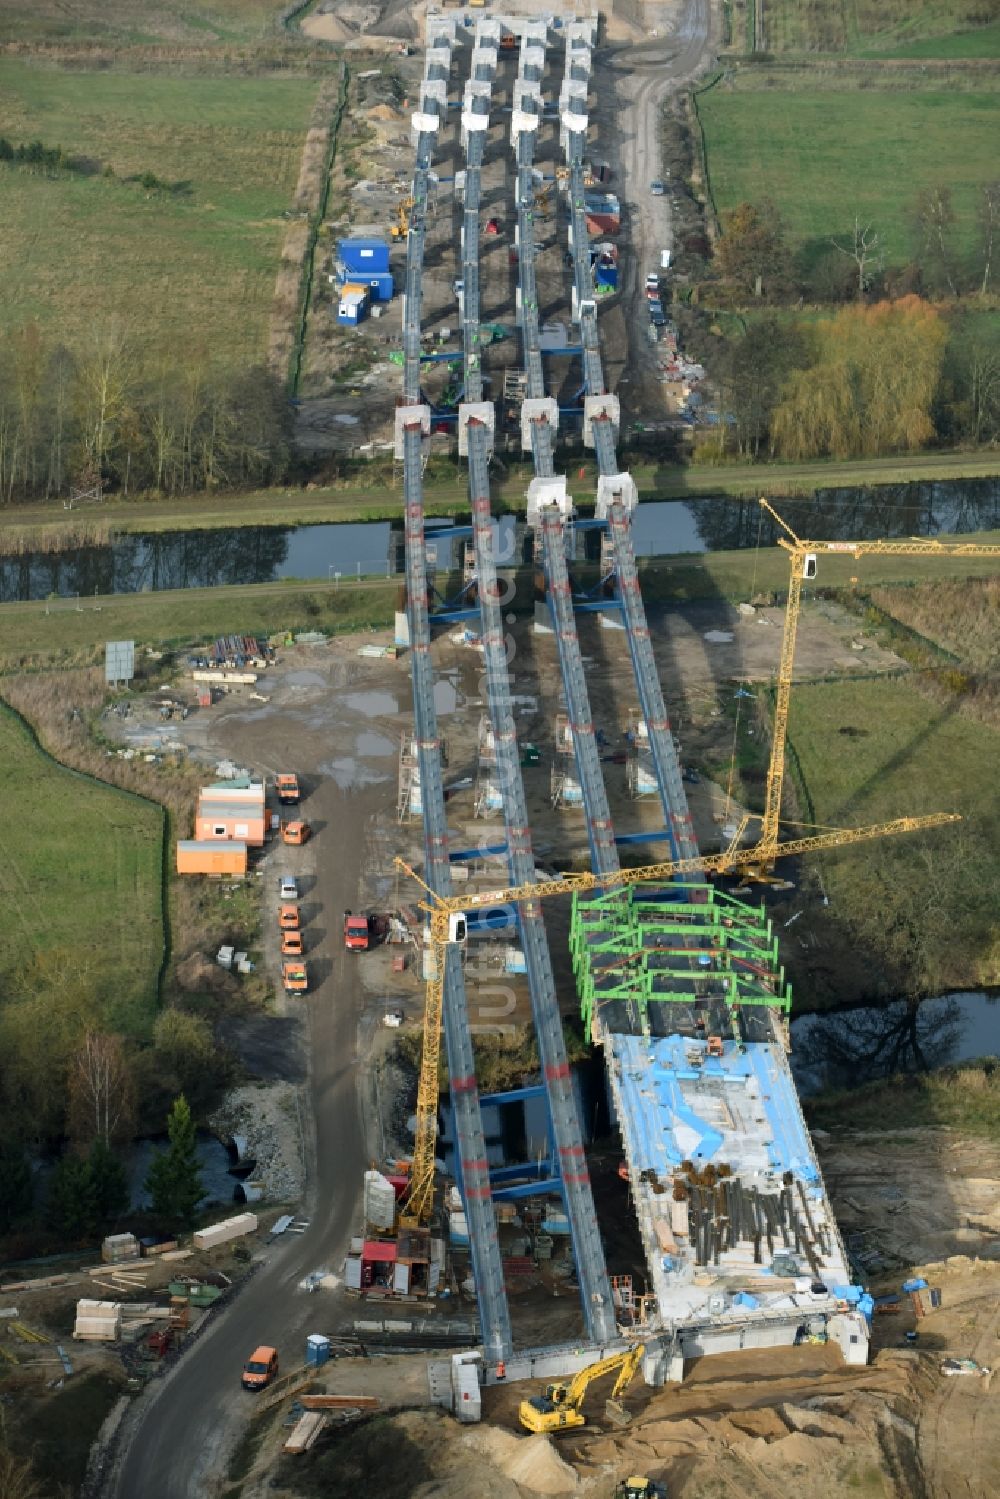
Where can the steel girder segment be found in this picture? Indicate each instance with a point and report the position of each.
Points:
(526, 266)
(415, 270)
(661, 743)
(494, 1313)
(470, 266)
(601, 833)
(595, 1288)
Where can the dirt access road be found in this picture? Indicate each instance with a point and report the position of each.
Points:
(179, 1435)
(634, 81)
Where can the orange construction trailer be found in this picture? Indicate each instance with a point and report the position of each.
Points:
(196, 856)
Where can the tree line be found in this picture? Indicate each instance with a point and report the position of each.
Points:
(756, 256)
(70, 1086)
(100, 417)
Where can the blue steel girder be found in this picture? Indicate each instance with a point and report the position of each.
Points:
(600, 832)
(471, 1166)
(595, 1289)
(661, 743)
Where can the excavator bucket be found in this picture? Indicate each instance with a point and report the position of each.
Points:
(616, 1413)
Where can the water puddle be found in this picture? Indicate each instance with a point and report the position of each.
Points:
(305, 679)
(445, 698)
(374, 746)
(349, 774)
(370, 704)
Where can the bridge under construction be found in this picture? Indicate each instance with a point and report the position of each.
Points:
(680, 984)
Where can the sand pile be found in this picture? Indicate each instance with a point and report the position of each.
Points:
(537, 1467)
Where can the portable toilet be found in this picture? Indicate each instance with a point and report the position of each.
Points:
(353, 304)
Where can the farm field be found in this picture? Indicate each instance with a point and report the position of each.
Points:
(200, 22)
(80, 880)
(869, 751)
(776, 142)
(883, 28)
(189, 265)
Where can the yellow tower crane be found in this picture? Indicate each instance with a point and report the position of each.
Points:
(448, 922)
(803, 556)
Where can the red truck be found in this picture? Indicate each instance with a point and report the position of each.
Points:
(357, 933)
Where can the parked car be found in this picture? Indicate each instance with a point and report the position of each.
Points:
(288, 889)
(657, 188)
(291, 945)
(288, 918)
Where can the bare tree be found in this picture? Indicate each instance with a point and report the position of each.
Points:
(866, 250)
(936, 221)
(100, 1089)
(989, 217)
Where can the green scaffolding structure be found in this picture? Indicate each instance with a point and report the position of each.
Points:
(686, 943)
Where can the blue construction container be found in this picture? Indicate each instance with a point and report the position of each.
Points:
(367, 257)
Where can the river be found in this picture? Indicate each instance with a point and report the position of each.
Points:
(138, 562)
(864, 1044)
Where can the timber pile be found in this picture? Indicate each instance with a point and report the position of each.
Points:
(305, 1431)
(338, 1402)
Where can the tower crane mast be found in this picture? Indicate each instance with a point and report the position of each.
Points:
(803, 557)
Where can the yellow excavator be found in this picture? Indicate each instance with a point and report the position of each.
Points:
(560, 1408)
(401, 228)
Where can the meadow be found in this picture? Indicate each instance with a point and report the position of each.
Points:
(918, 912)
(825, 150)
(125, 22)
(882, 28)
(188, 264)
(80, 882)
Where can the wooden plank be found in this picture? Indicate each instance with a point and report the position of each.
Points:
(339, 1402)
(304, 1432)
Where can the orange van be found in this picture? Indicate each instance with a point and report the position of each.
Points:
(260, 1368)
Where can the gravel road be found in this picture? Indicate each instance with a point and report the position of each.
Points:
(179, 1434)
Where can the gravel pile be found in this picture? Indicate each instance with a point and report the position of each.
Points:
(267, 1115)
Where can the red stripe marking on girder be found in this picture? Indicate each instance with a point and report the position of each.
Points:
(571, 1150)
(555, 1072)
(464, 1084)
(477, 1165)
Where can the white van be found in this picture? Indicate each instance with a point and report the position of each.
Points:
(664, 260)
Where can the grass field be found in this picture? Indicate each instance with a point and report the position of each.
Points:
(123, 21)
(824, 155)
(887, 28)
(188, 270)
(922, 907)
(966, 1098)
(80, 878)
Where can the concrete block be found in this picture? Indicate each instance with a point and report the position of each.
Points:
(409, 416)
(422, 124)
(436, 89)
(482, 412)
(522, 123)
(611, 487)
(472, 122)
(544, 492)
(537, 409)
(599, 408)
